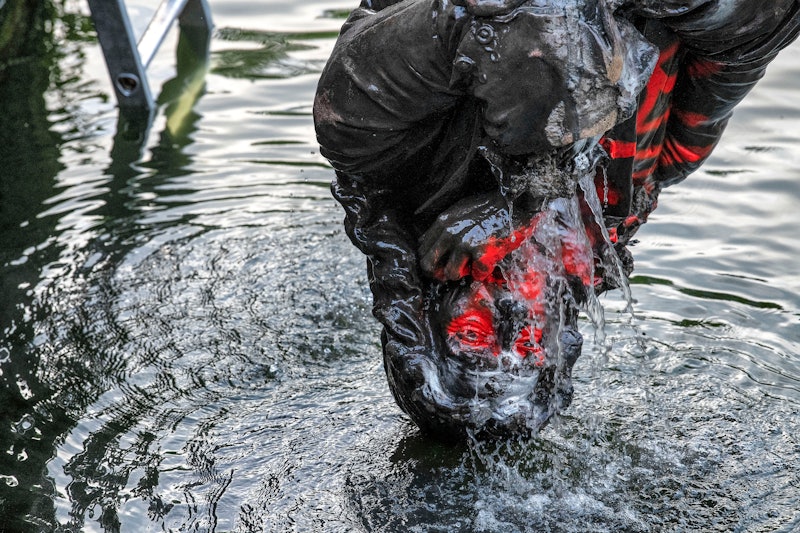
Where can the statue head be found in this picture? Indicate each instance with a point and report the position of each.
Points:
(502, 349)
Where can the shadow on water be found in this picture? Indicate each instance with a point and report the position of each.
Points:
(186, 340)
(30, 154)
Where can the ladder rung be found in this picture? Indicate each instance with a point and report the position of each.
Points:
(167, 12)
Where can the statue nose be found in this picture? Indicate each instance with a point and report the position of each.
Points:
(511, 318)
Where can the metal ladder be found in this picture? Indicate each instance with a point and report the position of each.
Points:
(127, 60)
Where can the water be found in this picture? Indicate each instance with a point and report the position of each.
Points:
(186, 340)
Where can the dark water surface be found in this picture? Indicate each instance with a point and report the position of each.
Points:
(186, 342)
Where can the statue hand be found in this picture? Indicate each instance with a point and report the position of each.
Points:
(469, 238)
(489, 8)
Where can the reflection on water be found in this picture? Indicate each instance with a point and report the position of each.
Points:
(186, 340)
(272, 58)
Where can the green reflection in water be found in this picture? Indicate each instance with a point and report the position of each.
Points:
(705, 295)
(276, 162)
(30, 155)
(270, 60)
(56, 230)
(277, 142)
(686, 323)
(335, 14)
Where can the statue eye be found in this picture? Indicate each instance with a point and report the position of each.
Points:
(473, 330)
(470, 335)
(528, 343)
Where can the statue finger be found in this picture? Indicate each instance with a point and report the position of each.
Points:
(428, 241)
(431, 259)
(457, 267)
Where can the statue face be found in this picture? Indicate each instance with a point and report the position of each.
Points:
(508, 351)
(508, 316)
(485, 323)
(507, 344)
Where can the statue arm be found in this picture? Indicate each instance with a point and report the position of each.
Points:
(727, 47)
(383, 93)
(721, 50)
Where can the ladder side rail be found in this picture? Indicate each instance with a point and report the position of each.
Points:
(128, 74)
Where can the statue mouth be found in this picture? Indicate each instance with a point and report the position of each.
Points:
(505, 394)
(449, 398)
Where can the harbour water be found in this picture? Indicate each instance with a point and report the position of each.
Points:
(186, 341)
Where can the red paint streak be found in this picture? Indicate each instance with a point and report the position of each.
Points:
(640, 176)
(574, 258)
(532, 286)
(474, 330)
(496, 249)
(463, 269)
(631, 220)
(691, 119)
(648, 153)
(675, 153)
(703, 68)
(606, 194)
(617, 149)
(660, 83)
(648, 119)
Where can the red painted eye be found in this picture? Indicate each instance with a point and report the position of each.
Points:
(528, 345)
(473, 330)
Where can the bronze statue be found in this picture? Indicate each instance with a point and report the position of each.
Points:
(494, 159)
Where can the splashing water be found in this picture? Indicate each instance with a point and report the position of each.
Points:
(518, 481)
(218, 364)
(542, 286)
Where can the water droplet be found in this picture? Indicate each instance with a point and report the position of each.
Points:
(464, 64)
(25, 424)
(24, 389)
